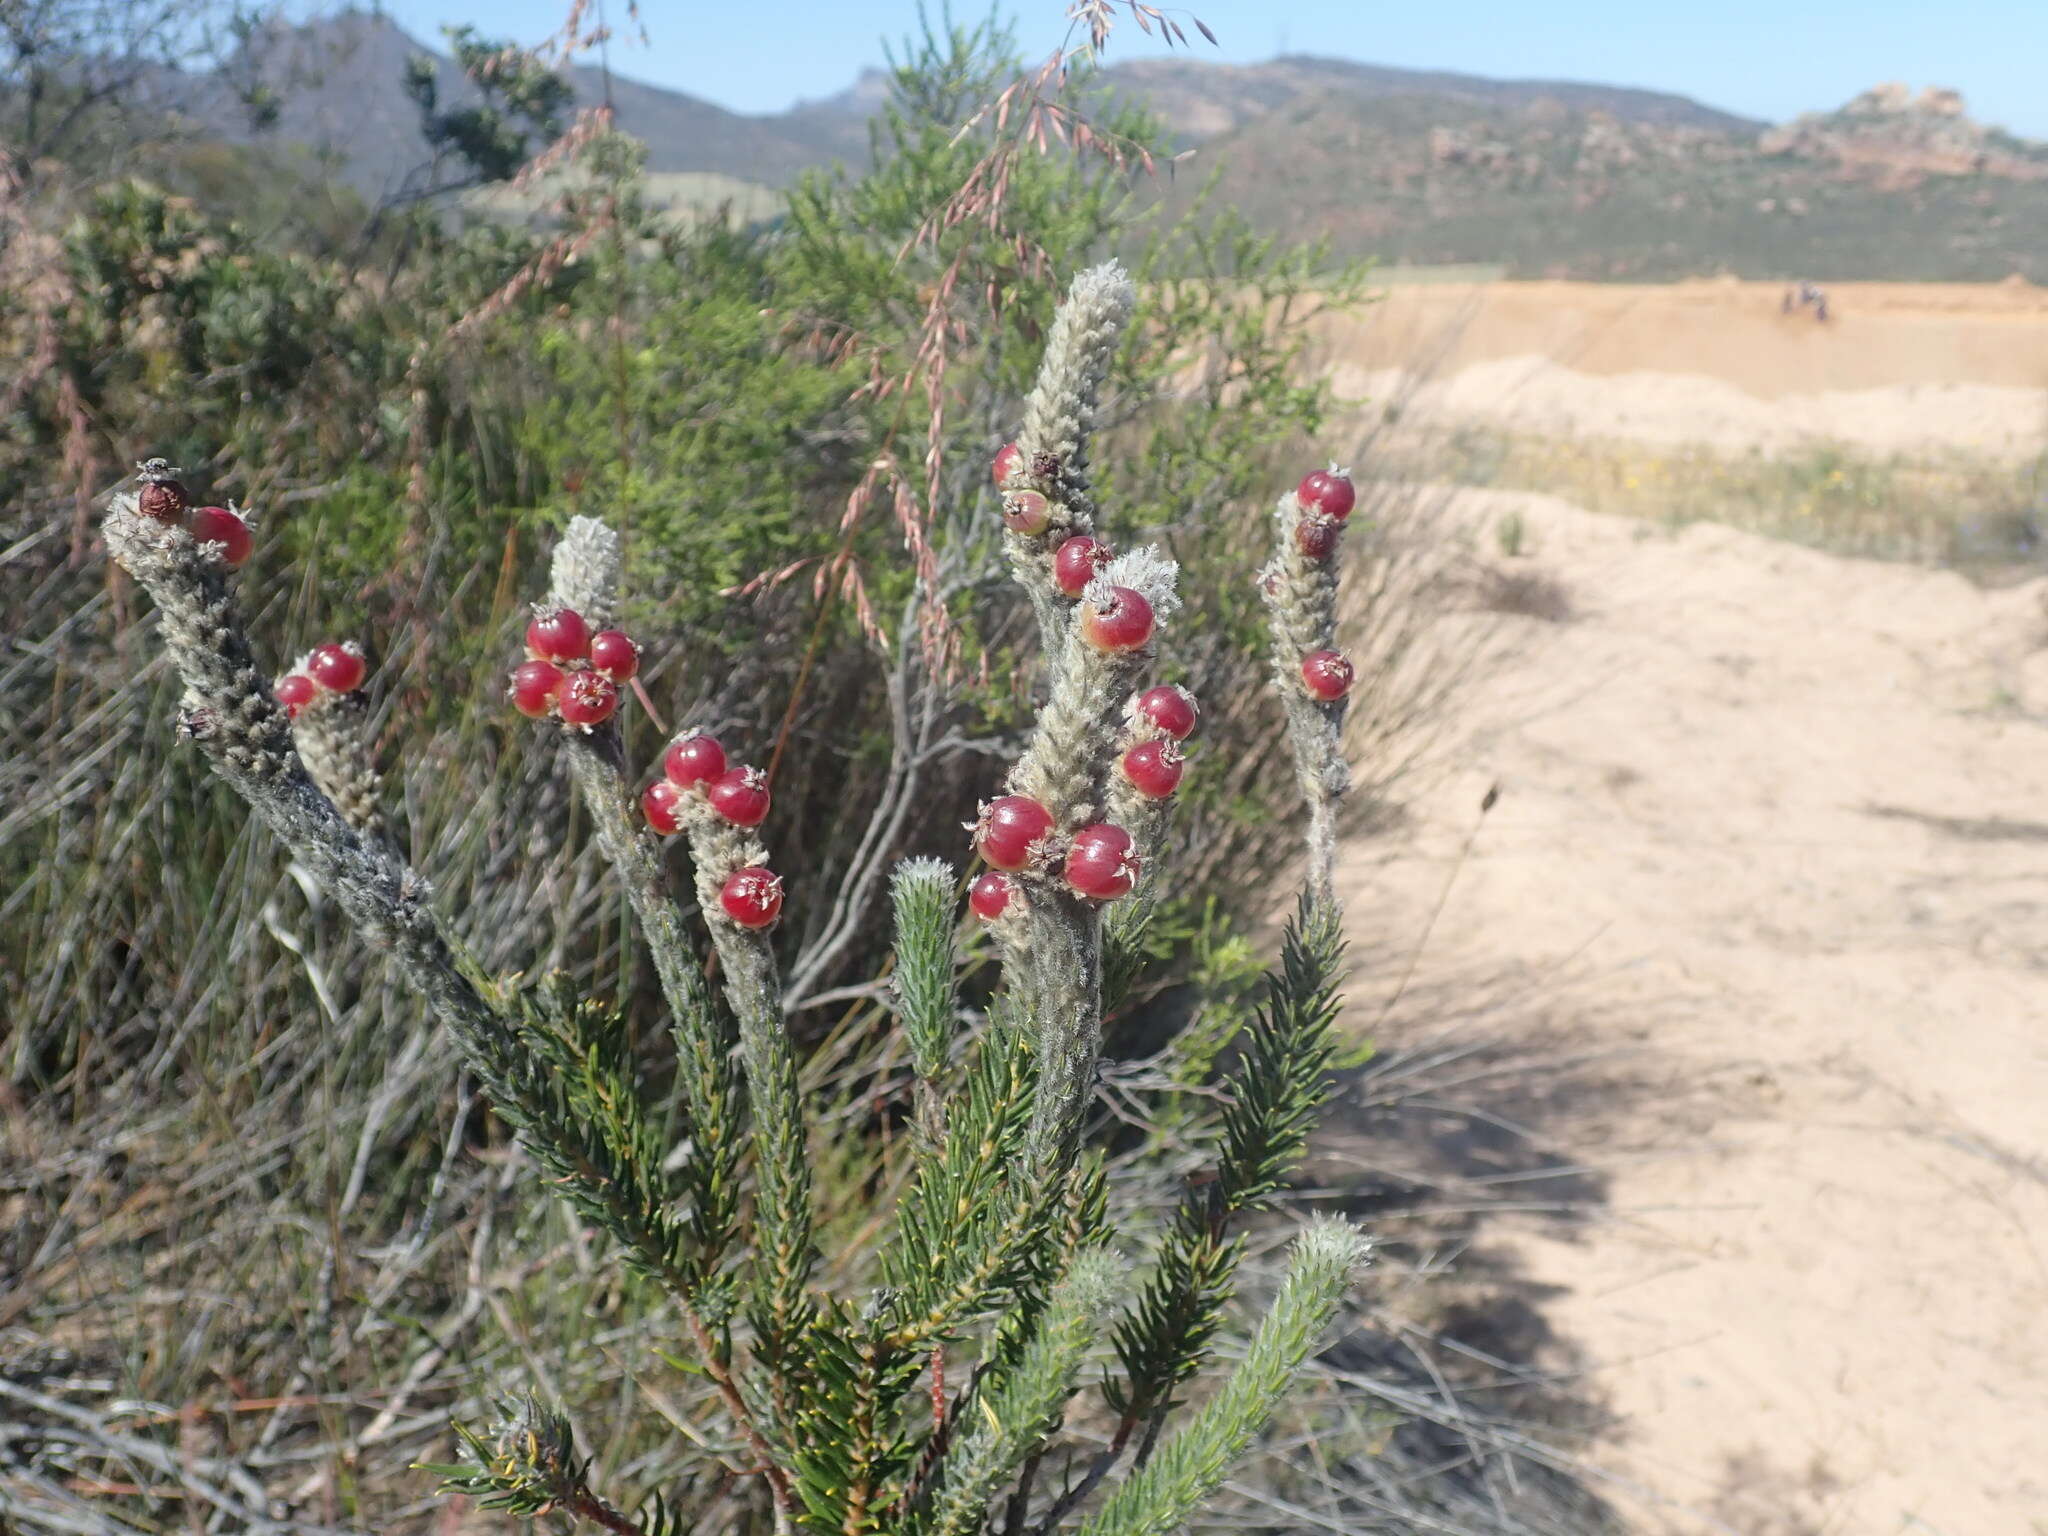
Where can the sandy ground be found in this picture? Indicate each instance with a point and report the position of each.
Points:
(1772, 829)
(1914, 369)
(1880, 334)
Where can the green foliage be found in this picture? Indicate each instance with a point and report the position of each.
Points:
(523, 100)
(1280, 1082)
(1161, 1495)
(922, 892)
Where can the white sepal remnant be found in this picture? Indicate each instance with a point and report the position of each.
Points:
(1153, 576)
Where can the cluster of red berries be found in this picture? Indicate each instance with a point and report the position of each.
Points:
(165, 500)
(696, 765)
(571, 673)
(336, 667)
(1015, 832)
(1327, 497)
(1124, 620)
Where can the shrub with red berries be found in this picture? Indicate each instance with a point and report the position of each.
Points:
(915, 1382)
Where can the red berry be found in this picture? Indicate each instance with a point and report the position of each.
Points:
(614, 653)
(1075, 563)
(1153, 768)
(740, 795)
(295, 691)
(1316, 536)
(1008, 461)
(536, 686)
(1101, 864)
(339, 668)
(1007, 829)
(990, 896)
(1328, 491)
(752, 897)
(1327, 675)
(1123, 622)
(1026, 512)
(1172, 709)
(662, 803)
(693, 760)
(588, 700)
(558, 634)
(217, 525)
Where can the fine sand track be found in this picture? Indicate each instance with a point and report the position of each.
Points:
(1773, 826)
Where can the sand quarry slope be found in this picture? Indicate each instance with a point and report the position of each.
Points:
(1758, 923)
(1901, 368)
(1772, 844)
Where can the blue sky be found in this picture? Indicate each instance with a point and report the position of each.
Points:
(1766, 58)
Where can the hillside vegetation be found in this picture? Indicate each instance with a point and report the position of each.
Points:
(1540, 178)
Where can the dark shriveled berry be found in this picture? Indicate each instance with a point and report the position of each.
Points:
(162, 496)
(1316, 536)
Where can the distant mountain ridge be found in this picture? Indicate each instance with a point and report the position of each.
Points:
(1543, 177)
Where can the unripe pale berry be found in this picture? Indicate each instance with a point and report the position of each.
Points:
(752, 897)
(1327, 675)
(614, 653)
(1008, 827)
(693, 760)
(217, 525)
(588, 700)
(1121, 622)
(1170, 708)
(1316, 536)
(1008, 461)
(662, 803)
(1328, 491)
(990, 896)
(1026, 512)
(740, 795)
(295, 691)
(1101, 864)
(536, 686)
(558, 634)
(1075, 563)
(337, 667)
(1153, 768)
